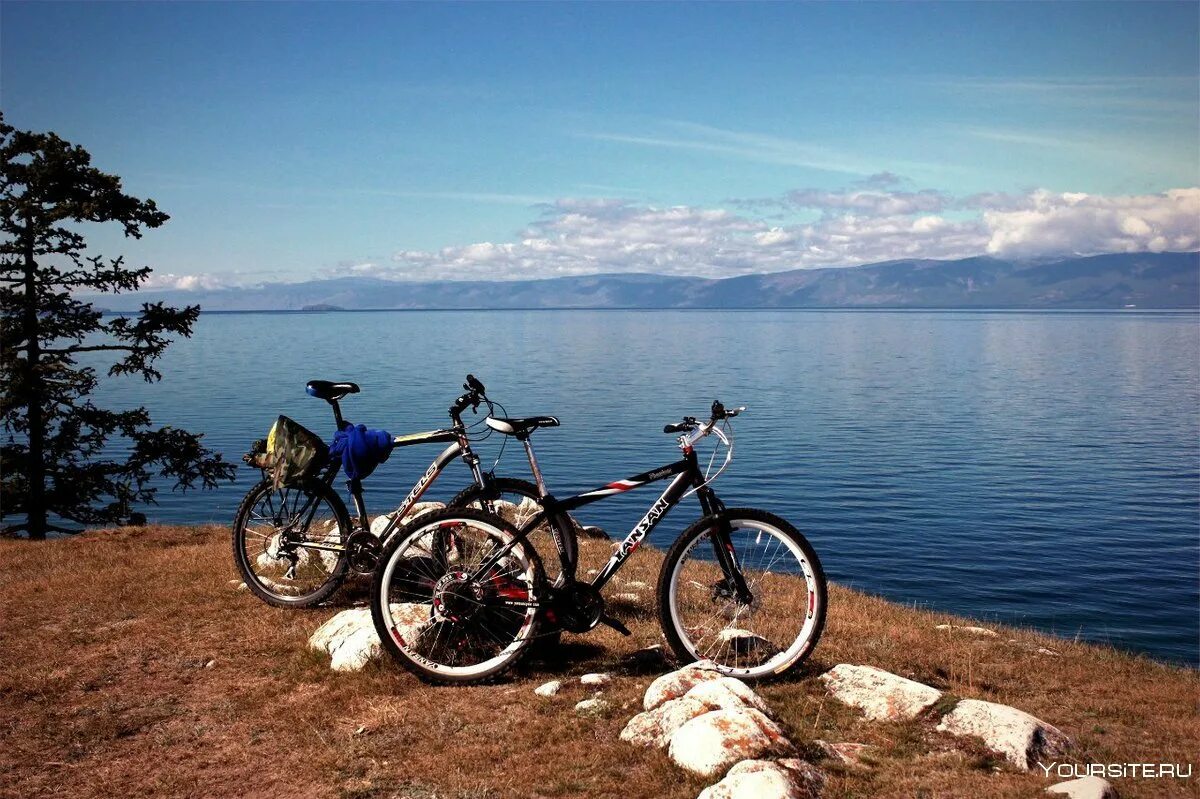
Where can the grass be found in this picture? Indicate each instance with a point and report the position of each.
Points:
(129, 666)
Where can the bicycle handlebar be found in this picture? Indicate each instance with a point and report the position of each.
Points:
(689, 423)
(476, 393)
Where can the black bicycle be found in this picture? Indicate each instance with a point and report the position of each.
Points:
(295, 545)
(459, 596)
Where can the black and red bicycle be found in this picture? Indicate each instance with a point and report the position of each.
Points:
(460, 595)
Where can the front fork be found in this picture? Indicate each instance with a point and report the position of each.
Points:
(723, 549)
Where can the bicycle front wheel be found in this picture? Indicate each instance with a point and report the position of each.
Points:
(702, 616)
(441, 613)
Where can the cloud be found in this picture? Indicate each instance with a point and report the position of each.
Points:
(595, 236)
(1084, 223)
(166, 281)
(587, 236)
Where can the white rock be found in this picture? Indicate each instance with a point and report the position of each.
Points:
(1024, 740)
(848, 754)
(981, 631)
(591, 707)
(243, 587)
(1085, 788)
(675, 684)
(745, 643)
(711, 743)
(1041, 650)
(350, 638)
(726, 693)
(879, 694)
(595, 679)
(636, 585)
(380, 523)
(768, 779)
(549, 688)
(627, 598)
(655, 727)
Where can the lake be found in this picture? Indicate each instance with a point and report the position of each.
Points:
(1034, 468)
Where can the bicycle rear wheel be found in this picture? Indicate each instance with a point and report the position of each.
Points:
(272, 536)
(703, 619)
(437, 618)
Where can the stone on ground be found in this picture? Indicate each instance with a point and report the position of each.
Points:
(983, 632)
(1024, 740)
(726, 693)
(768, 779)
(380, 523)
(591, 707)
(350, 639)
(549, 688)
(677, 683)
(879, 694)
(1084, 788)
(710, 743)
(655, 727)
(848, 754)
(595, 679)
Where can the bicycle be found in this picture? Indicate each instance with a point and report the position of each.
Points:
(295, 545)
(459, 596)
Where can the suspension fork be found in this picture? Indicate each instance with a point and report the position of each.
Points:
(722, 544)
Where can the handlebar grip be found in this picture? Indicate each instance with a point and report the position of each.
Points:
(678, 427)
(473, 384)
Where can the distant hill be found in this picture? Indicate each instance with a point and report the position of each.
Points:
(1143, 280)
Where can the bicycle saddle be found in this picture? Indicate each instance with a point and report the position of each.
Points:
(520, 427)
(326, 390)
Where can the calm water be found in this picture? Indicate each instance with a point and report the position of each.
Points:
(1034, 468)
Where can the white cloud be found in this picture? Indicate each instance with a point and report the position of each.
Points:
(863, 225)
(164, 281)
(1083, 223)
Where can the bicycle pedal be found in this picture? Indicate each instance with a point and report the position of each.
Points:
(615, 624)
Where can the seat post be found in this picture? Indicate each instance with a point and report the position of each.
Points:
(533, 465)
(337, 413)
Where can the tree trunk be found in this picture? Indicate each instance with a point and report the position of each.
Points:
(36, 501)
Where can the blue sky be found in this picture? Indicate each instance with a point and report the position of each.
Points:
(502, 140)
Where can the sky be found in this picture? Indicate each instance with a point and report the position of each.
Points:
(506, 140)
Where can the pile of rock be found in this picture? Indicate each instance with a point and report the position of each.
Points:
(716, 726)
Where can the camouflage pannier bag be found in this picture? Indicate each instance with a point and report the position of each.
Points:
(290, 453)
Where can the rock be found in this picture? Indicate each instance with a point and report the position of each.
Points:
(746, 643)
(879, 694)
(1084, 788)
(848, 754)
(243, 587)
(655, 727)
(711, 743)
(591, 531)
(1041, 650)
(235, 583)
(1024, 740)
(677, 683)
(650, 658)
(627, 598)
(210, 664)
(591, 707)
(350, 638)
(380, 523)
(980, 631)
(595, 679)
(767, 779)
(726, 693)
(549, 688)
(637, 585)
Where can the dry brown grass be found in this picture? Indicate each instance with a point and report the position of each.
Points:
(104, 692)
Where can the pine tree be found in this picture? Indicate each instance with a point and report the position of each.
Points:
(55, 467)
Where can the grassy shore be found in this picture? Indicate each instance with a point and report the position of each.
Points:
(129, 666)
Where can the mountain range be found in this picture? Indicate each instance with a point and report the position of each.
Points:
(1142, 280)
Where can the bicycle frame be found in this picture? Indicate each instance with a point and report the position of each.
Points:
(687, 475)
